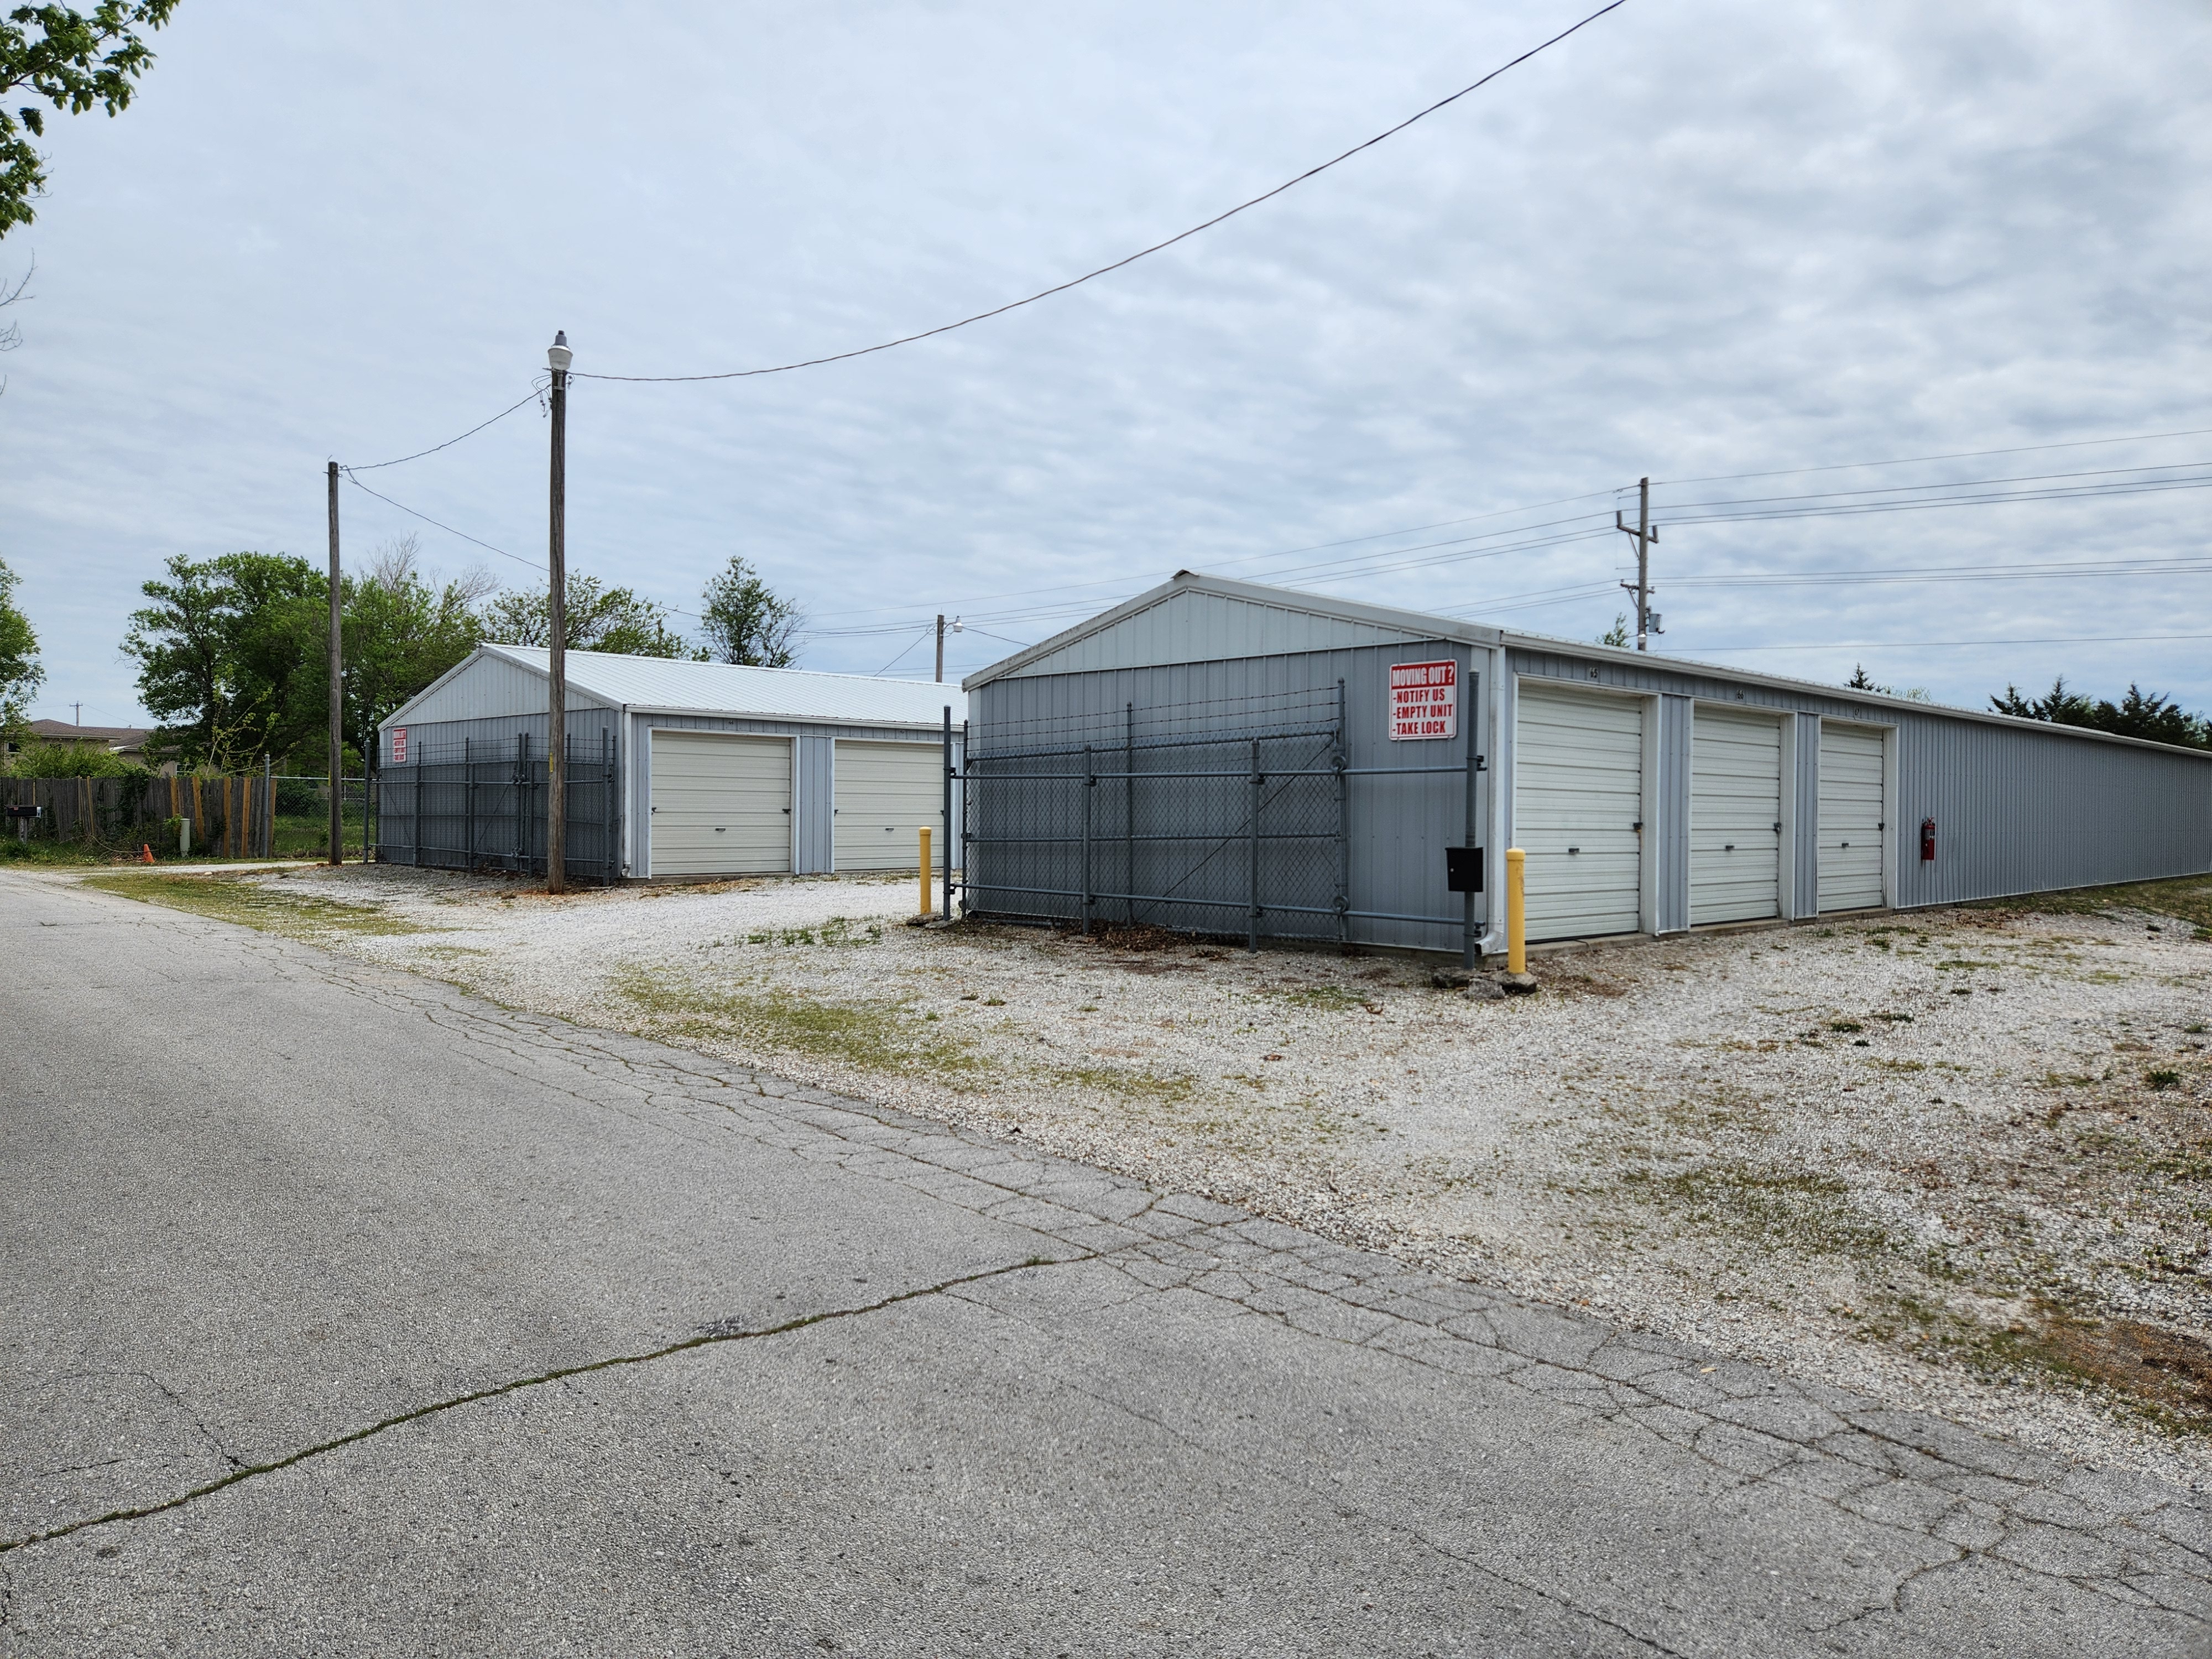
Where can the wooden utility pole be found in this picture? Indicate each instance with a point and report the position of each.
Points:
(940, 647)
(338, 688)
(1645, 534)
(556, 712)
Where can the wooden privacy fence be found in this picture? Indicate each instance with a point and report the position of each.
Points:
(230, 817)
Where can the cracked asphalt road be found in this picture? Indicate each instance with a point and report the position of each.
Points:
(344, 1313)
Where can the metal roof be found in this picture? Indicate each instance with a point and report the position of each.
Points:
(1417, 625)
(665, 686)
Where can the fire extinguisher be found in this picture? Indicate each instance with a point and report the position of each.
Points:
(1928, 840)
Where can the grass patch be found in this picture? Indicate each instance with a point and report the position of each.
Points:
(1329, 998)
(45, 851)
(1167, 1087)
(1790, 1209)
(2162, 1080)
(249, 903)
(838, 930)
(2186, 898)
(872, 1037)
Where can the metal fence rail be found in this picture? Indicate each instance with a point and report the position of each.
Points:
(481, 805)
(1243, 831)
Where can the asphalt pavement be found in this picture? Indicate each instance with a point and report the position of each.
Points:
(342, 1312)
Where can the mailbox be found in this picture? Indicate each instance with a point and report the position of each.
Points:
(1463, 869)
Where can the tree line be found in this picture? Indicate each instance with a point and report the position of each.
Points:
(234, 652)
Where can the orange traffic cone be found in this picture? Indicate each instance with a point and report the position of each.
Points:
(145, 852)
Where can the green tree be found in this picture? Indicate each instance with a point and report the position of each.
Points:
(746, 621)
(20, 673)
(1618, 633)
(224, 653)
(400, 631)
(612, 619)
(72, 60)
(2151, 715)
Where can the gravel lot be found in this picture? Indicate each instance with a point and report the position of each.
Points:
(1956, 1159)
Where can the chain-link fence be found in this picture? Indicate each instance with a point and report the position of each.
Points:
(481, 805)
(1238, 831)
(1232, 816)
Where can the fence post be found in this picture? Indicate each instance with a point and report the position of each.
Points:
(1089, 791)
(1343, 823)
(1252, 940)
(945, 813)
(967, 811)
(525, 856)
(468, 809)
(1129, 813)
(1474, 765)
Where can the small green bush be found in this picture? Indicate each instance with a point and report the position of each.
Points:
(72, 760)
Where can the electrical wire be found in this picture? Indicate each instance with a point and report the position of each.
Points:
(426, 518)
(1925, 645)
(894, 661)
(1129, 259)
(1916, 460)
(373, 466)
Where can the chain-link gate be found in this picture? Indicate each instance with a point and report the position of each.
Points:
(1239, 831)
(480, 805)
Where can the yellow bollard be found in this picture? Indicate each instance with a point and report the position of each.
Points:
(924, 869)
(1516, 912)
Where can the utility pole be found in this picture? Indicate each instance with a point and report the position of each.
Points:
(558, 357)
(79, 707)
(338, 688)
(1646, 536)
(941, 631)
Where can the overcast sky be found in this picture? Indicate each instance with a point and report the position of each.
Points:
(1694, 239)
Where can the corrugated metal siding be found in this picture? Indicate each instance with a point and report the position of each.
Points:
(813, 785)
(2032, 810)
(1197, 626)
(1399, 826)
(1666, 812)
(488, 687)
(2018, 810)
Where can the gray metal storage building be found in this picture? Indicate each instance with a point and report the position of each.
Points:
(1219, 755)
(676, 769)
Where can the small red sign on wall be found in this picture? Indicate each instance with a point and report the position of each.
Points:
(399, 745)
(1424, 700)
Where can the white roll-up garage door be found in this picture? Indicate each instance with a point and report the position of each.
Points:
(1577, 803)
(885, 793)
(722, 805)
(1852, 819)
(1736, 816)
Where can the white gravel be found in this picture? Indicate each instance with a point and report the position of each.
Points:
(1962, 1206)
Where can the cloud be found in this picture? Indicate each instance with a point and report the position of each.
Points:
(1695, 239)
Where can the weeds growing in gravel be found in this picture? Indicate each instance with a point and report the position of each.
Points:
(254, 903)
(875, 1036)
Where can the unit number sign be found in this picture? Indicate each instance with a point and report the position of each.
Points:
(1424, 700)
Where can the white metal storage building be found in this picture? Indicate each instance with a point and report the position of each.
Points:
(676, 769)
(1649, 794)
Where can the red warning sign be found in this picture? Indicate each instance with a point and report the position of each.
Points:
(1424, 700)
(399, 745)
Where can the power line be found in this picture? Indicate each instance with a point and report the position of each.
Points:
(1130, 259)
(426, 518)
(1916, 460)
(1923, 645)
(373, 466)
(347, 472)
